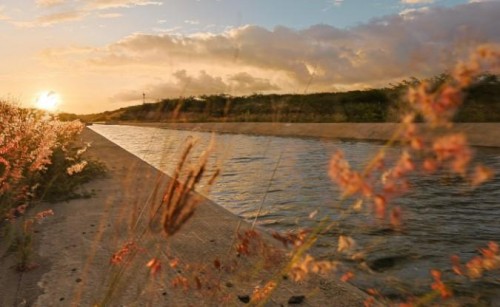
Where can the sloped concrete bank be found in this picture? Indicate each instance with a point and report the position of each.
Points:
(479, 134)
(75, 246)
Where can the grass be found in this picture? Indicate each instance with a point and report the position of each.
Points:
(39, 161)
(57, 185)
(149, 256)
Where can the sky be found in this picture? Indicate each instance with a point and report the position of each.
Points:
(98, 55)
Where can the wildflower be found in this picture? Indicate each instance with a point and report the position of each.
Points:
(294, 238)
(404, 165)
(491, 257)
(174, 263)
(21, 209)
(465, 72)
(323, 267)
(430, 165)
(244, 245)
(300, 270)
(80, 151)
(120, 256)
(481, 175)
(308, 264)
(439, 286)
(396, 219)
(349, 181)
(456, 266)
(154, 266)
(358, 205)
(410, 129)
(475, 267)
(453, 147)
(347, 276)
(177, 204)
(44, 214)
(259, 294)
(180, 281)
(346, 244)
(76, 168)
(417, 143)
(370, 301)
(380, 206)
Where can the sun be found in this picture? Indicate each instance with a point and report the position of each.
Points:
(48, 101)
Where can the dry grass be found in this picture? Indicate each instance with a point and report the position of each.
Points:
(172, 205)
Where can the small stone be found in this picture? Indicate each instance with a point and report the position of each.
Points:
(244, 298)
(296, 299)
(61, 299)
(229, 284)
(78, 280)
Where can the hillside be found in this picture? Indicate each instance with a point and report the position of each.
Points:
(481, 104)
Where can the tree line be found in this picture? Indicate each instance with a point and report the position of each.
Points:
(481, 104)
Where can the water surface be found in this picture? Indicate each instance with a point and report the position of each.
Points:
(282, 180)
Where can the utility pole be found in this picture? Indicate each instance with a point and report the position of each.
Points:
(143, 98)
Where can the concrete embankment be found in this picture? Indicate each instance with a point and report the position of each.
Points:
(479, 134)
(75, 247)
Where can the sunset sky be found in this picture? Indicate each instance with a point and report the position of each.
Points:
(103, 54)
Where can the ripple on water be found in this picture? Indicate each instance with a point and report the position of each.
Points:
(442, 216)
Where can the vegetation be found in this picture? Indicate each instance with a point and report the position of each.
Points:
(39, 161)
(372, 190)
(481, 104)
(36, 151)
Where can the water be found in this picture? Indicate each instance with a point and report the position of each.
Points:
(287, 179)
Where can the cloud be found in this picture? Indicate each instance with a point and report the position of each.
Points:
(192, 22)
(186, 85)
(51, 19)
(246, 83)
(3, 16)
(110, 15)
(79, 10)
(319, 58)
(49, 3)
(331, 4)
(416, 1)
(411, 13)
(108, 4)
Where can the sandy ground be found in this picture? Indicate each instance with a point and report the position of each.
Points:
(74, 247)
(479, 134)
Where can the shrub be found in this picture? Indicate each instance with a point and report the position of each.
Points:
(37, 158)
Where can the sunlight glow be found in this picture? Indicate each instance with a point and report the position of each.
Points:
(48, 101)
